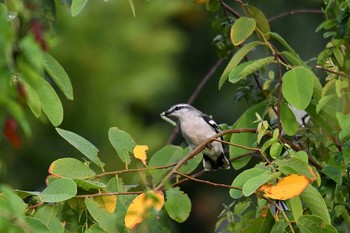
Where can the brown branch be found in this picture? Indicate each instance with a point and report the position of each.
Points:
(294, 12)
(134, 170)
(229, 9)
(334, 72)
(108, 194)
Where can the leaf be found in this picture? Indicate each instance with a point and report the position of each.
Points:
(293, 58)
(58, 75)
(261, 22)
(280, 39)
(140, 153)
(256, 65)
(289, 123)
(59, 190)
(77, 6)
(105, 220)
(37, 225)
(48, 215)
(313, 199)
(295, 165)
(297, 87)
(334, 173)
(296, 207)
(131, 3)
(251, 185)
(310, 224)
(33, 99)
(107, 202)
(245, 139)
(279, 227)
(11, 202)
(287, 188)
(177, 204)
(70, 168)
(276, 149)
(242, 178)
(241, 29)
(236, 59)
(83, 145)
(234, 75)
(259, 225)
(141, 206)
(89, 184)
(323, 102)
(122, 143)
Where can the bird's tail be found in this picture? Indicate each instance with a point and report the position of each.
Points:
(221, 163)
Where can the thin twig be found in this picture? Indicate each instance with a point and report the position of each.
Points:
(229, 9)
(108, 194)
(294, 12)
(279, 95)
(334, 72)
(134, 170)
(196, 92)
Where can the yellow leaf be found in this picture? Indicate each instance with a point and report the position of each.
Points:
(140, 153)
(107, 202)
(140, 207)
(289, 187)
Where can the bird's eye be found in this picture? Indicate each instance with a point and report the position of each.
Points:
(177, 108)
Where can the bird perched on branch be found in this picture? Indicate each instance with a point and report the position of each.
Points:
(196, 128)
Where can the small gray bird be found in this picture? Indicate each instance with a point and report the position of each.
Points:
(196, 128)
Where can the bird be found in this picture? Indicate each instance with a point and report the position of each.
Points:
(196, 127)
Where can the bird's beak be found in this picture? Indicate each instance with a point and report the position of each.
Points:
(164, 115)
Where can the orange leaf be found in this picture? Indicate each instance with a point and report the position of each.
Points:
(289, 187)
(140, 207)
(140, 153)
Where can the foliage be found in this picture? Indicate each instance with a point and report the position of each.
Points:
(304, 161)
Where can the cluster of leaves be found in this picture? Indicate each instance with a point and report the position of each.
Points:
(304, 162)
(30, 74)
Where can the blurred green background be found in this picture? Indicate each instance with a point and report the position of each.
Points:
(125, 70)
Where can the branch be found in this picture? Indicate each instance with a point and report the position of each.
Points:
(196, 92)
(334, 72)
(294, 12)
(134, 170)
(229, 9)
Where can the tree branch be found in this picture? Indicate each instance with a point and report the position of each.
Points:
(294, 12)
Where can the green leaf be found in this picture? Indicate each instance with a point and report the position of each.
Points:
(344, 123)
(104, 219)
(297, 87)
(255, 66)
(294, 166)
(47, 214)
(261, 21)
(311, 224)
(296, 207)
(77, 6)
(236, 59)
(323, 102)
(131, 3)
(70, 168)
(33, 99)
(89, 184)
(177, 204)
(15, 109)
(293, 58)
(50, 103)
(245, 139)
(165, 156)
(37, 225)
(276, 150)
(242, 178)
(280, 39)
(289, 123)
(251, 185)
(259, 225)
(122, 143)
(300, 155)
(279, 227)
(334, 173)
(10, 202)
(83, 145)
(241, 29)
(59, 190)
(313, 199)
(234, 75)
(58, 75)
(191, 164)
(32, 53)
